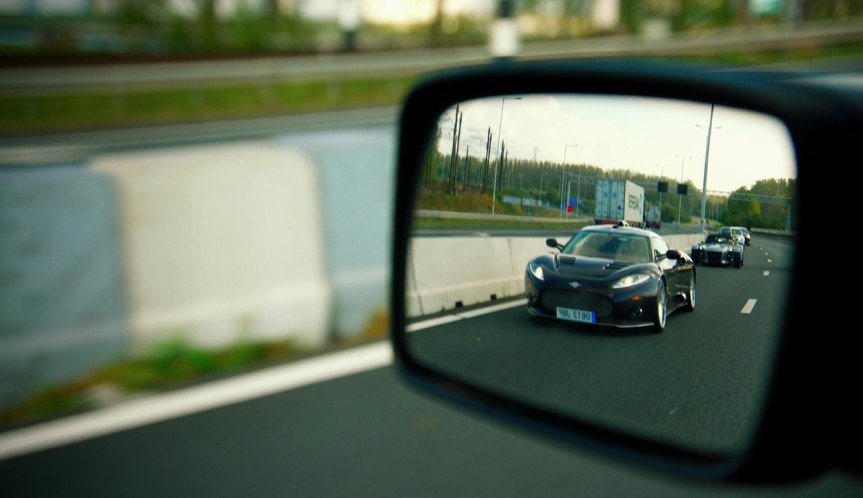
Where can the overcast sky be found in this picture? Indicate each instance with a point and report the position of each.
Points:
(651, 136)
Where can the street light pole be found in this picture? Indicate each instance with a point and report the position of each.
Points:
(562, 176)
(704, 181)
(679, 196)
(578, 191)
(497, 165)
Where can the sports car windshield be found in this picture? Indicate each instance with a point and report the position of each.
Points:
(616, 246)
(715, 239)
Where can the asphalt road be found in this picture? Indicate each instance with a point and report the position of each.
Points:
(71, 147)
(363, 435)
(698, 383)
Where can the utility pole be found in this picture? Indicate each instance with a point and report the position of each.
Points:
(679, 196)
(456, 135)
(486, 162)
(466, 180)
(562, 175)
(499, 128)
(704, 181)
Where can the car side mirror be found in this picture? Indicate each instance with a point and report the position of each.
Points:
(699, 400)
(553, 244)
(673, 254)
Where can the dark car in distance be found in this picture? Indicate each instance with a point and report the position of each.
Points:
(736, 233)
(719, 250)
(611, 275)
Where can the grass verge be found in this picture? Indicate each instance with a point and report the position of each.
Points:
(104, 108)
(126, 107)
(170, 365)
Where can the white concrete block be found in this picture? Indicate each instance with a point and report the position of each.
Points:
(447, 270)
(222, 242)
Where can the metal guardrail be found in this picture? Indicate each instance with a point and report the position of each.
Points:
(769, 231)
(451, 215)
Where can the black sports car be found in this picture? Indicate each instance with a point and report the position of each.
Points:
(718, 249)
(611, 275)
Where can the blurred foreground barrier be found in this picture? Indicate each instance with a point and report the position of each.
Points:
(221, 243)
(445, 273)
(61, 280)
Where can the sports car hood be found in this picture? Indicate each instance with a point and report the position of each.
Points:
(582, 266)
(717, 247)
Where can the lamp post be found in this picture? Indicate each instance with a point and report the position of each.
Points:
(680, 197)
(497, 166)
(706, 158)
(562, 176)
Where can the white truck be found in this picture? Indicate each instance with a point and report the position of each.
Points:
(654, 216)
(619, 200)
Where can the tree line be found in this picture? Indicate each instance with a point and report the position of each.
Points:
(464, 173)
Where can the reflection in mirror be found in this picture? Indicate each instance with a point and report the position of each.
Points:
(600, 283)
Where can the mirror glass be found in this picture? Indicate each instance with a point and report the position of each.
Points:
(631, 271)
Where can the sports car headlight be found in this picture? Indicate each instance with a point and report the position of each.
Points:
(536, 270)
(631, 281)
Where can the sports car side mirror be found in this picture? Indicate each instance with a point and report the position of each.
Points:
(553, 244)
(509, 154)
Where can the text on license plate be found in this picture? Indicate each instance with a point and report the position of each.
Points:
(576, 315)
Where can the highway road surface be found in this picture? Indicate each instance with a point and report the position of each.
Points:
(698, 383)
(365, 434)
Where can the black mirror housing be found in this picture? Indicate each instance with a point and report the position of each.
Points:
(810, 371)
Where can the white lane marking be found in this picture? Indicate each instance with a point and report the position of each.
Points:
(443, 320)
(434, 322)
(766, 272)
(747, 308)
(493, 309)
(137, 413)
(769, 260)
(161, 407)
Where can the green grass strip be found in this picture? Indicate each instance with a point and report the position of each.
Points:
(138, 107)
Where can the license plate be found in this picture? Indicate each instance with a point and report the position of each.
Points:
(576, 315)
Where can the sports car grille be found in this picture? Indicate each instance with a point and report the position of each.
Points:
(554, 298)
(714, 258)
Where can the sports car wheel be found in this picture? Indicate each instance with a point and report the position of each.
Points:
(661, 313)
(690, 296)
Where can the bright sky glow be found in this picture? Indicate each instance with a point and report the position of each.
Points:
(397, 11)
(650, 136)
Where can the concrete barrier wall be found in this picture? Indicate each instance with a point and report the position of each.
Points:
(356, 183)
(221, 243)
(447, 272)
(61, 279)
